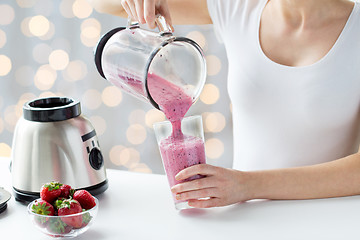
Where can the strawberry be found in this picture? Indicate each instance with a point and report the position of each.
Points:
(57, 203)
(50, 191)
(85, 199)
(58, 227)
(68, 207)
(66, 191)
(86, 218)
(43, 208)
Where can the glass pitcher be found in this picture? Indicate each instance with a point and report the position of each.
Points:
(131, 57)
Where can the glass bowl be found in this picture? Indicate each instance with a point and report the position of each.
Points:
(55, 226)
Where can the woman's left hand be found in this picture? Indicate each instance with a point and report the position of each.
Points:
(219, 187)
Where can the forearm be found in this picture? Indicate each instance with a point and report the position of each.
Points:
(182, 11)
(332, 179)
(113, 7)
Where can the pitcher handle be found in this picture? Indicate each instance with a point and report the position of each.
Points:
(162, 25)
(132, 24)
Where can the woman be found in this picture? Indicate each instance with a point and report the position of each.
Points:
(294, 83)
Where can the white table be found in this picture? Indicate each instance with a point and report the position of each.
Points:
(139, 206)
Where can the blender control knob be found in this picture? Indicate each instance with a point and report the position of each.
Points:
(96, 159)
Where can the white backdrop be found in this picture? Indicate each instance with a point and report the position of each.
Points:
(46, 50)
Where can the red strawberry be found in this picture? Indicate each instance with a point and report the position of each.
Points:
(43, 208)
(66, 191)
(58, 227)
(50, 191)
(86, 218)
(85, 199)
(68, 207)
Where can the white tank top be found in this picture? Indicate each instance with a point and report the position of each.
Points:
(288, 116)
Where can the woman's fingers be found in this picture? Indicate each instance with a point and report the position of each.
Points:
(144, 11)
(201, 169)
(149, 13)
(139, 7)
(205, 203)
(132, 7)
(198, 194)
(164, 10)
(197, 184)
(127, 9)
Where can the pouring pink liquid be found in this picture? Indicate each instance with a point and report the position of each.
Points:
(178, 151)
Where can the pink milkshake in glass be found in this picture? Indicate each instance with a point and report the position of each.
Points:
(180, 151)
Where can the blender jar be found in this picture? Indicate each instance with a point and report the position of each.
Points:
(129, 57)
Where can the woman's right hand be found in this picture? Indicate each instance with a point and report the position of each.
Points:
(144, 11)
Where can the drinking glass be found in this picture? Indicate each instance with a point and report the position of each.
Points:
(179, 151)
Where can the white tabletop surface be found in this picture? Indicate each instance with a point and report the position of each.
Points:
(139, 206)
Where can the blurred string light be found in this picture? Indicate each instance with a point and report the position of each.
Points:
(136, 134)
(45, 77)
(75, 71)
(49, 34)
(111, 96)
(114, 155)
(7, 14)
(210, 94)
(25, 27)
(214, 122)
(27, 97)
(5, 64)
(39, 25)
(82, 9)
(129, 158)
(5, 150)
(58, 59)
(213, 65)
(91, 99)
(47, 94)
(199, 38)
(140, 167)
(153, 116)
(90, 32)
(214, 148)
(121, 156)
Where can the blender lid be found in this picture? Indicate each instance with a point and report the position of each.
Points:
(4, 197)
(51, 109)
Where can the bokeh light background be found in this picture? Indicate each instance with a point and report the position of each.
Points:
(46, 49)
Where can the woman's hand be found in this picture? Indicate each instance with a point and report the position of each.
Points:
(219, 187)
(144, 11)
